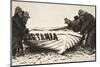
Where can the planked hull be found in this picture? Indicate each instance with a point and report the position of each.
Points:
(66, 39)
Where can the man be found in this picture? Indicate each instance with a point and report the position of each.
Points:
(25, 17)
(18, 28)
(76, 26)
(73, 25)
(88, 25)
(69, 23)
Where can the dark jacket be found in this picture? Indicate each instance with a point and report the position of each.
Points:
(87, 22)
(17, 25)
(74, 25)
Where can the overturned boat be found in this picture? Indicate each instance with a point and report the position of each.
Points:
(55, 40)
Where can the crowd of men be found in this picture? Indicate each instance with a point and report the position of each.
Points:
(84, 24)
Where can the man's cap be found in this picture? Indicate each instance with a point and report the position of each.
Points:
(76, 17)
(18, 9)
(66, 18)
(26, 14)
(81, 12)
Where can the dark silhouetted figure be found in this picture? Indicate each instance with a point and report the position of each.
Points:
(88, 25)
(19, 21)
(73, 25)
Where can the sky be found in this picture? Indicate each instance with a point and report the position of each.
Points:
(49, 15)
